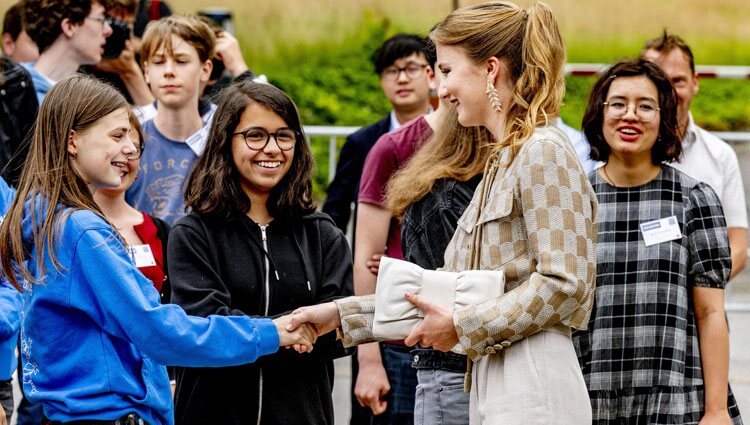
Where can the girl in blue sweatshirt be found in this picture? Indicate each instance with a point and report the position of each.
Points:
(94, 336)
(10, 303)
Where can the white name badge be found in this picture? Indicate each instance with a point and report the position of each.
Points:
(142, 255)
(658, 231)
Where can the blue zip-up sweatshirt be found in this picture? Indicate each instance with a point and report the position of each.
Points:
(94, 335)
(10, 303)
(10, 306)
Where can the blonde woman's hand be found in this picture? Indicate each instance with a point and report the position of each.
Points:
(436, 330)
(322, 318)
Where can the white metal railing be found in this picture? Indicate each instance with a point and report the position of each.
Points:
(703, 71)
(334, 132)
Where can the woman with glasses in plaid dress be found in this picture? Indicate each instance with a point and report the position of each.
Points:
(656, 348)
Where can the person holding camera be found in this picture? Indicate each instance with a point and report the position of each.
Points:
(68, 34)
(119, 65)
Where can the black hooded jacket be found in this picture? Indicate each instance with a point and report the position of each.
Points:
(18, 108)
(219, 267)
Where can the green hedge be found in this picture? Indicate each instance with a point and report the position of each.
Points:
(335, 85)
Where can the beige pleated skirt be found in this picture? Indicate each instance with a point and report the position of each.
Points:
(537, 380)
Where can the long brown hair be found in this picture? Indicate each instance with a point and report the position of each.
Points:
(454, 152)
(213, 187)
(48, 179)
(530, 43)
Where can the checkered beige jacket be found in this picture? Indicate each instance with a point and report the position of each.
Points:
(534, 219)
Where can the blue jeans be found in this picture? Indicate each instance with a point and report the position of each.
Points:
(403, 380)
(6, 398)
(440, 399)
(28, 413)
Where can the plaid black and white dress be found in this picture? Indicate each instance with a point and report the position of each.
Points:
(640, 355)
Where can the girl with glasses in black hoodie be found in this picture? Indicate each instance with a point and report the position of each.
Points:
(254, 245)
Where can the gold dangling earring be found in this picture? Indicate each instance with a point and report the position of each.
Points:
(494, 96)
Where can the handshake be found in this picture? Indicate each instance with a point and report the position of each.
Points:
(301, 328)
(398, 313)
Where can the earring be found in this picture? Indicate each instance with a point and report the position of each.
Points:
(494, 96)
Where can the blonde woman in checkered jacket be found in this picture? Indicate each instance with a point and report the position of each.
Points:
(533, 217)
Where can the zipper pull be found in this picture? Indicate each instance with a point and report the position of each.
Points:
(308, 286)
(277, 275)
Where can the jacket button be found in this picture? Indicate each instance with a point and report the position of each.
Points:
(416, 358)
(505, 343)
(2, 92)
(489, 350)
(498, 347)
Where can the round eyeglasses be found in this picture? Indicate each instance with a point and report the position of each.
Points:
(256, 138)
(412, 69)
(645, 112)
(137, 154)
(103, 20)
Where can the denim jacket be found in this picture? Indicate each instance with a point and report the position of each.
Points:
(429, 223)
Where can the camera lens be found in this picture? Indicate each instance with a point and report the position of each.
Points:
(116, 41)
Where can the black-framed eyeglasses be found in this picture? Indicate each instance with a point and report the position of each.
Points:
(646, 112)
(137, 154)
(257, 138)
(412, 69)
(104, 19)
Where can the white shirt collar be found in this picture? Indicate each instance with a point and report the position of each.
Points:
(394, 121)
(691, 135)
(197, 141)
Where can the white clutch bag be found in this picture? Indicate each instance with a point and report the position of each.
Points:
(395, 317)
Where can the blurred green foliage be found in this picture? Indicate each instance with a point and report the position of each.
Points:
(333, 83)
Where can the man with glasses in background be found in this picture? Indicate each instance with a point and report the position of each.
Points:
(68, 34)
(705, 157)
(405, 66)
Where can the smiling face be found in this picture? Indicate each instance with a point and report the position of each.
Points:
(89, 37)
(260, 170)
(405, 92)
(677, 67)
(628, 136)
(175, 77)
(129, 170)
(463, 83)
(100, 153)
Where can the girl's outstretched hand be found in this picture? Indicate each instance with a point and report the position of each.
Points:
(301, 338)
